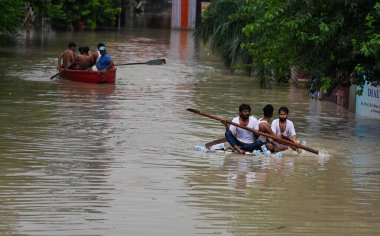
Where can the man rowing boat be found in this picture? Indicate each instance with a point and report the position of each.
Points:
(240, 139)
(67, 57)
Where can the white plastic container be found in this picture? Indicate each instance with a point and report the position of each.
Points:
(256, 153)
(201, 148)
(219, 146)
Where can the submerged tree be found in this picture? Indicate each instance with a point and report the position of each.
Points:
(335, 42)
(12, 13)
(72, 13)
(92, 13)
(223, 31)
(62, 13)
(222, 27)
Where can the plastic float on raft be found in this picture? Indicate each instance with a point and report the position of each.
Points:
(219, 146)
(200, 148)
(278, 154)
(256, 153)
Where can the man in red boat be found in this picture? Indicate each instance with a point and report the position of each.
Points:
(96, 54)
(67, 58)
(105, 62)
(84, 60)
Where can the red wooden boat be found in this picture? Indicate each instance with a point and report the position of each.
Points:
(89, 76)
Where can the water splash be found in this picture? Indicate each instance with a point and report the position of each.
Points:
(323, 154)
(323, 157)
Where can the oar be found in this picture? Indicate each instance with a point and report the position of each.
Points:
(280, 140)
(151, 62)
(284, 137)
(217, 141)
(62, 71)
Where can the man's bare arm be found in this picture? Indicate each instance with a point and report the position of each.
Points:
(60, 56)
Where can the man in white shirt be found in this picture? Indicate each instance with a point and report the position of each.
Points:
(284, 127)
(240, 139)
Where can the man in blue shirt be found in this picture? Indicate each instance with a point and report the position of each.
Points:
(105, 62)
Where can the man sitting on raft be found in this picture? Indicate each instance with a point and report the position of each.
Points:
(240, 139)
(284, 127)
(265, 127)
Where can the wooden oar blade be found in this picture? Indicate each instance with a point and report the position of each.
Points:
(192, 110)
(156, 62)
(54, 75)
(151, 62)
(68, 67)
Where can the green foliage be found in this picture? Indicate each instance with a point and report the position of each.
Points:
(328, 39)
(221, 28)
(335, 42)
(61, 12)
(70, 12)
(12, 13)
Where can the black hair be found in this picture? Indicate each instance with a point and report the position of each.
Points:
(100, 45)
(71, 44)
(268, 110)
(81, 49)
(243, 107)
(86, 49)
(284, 109)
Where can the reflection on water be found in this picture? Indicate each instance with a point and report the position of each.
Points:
(89, 159)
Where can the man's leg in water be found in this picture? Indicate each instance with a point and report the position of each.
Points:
(232, 140)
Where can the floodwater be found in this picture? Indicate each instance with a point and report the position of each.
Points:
(84, 159)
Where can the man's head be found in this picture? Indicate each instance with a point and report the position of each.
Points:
(101, 45)
(244, 111)
(102, 50)
(283, 113)
(86, 49)
(72, 46)
(81, 50)
(268, 110)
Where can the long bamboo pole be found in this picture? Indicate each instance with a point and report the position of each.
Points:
(275, 138)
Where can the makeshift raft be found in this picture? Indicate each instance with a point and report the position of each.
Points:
(224, 147)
